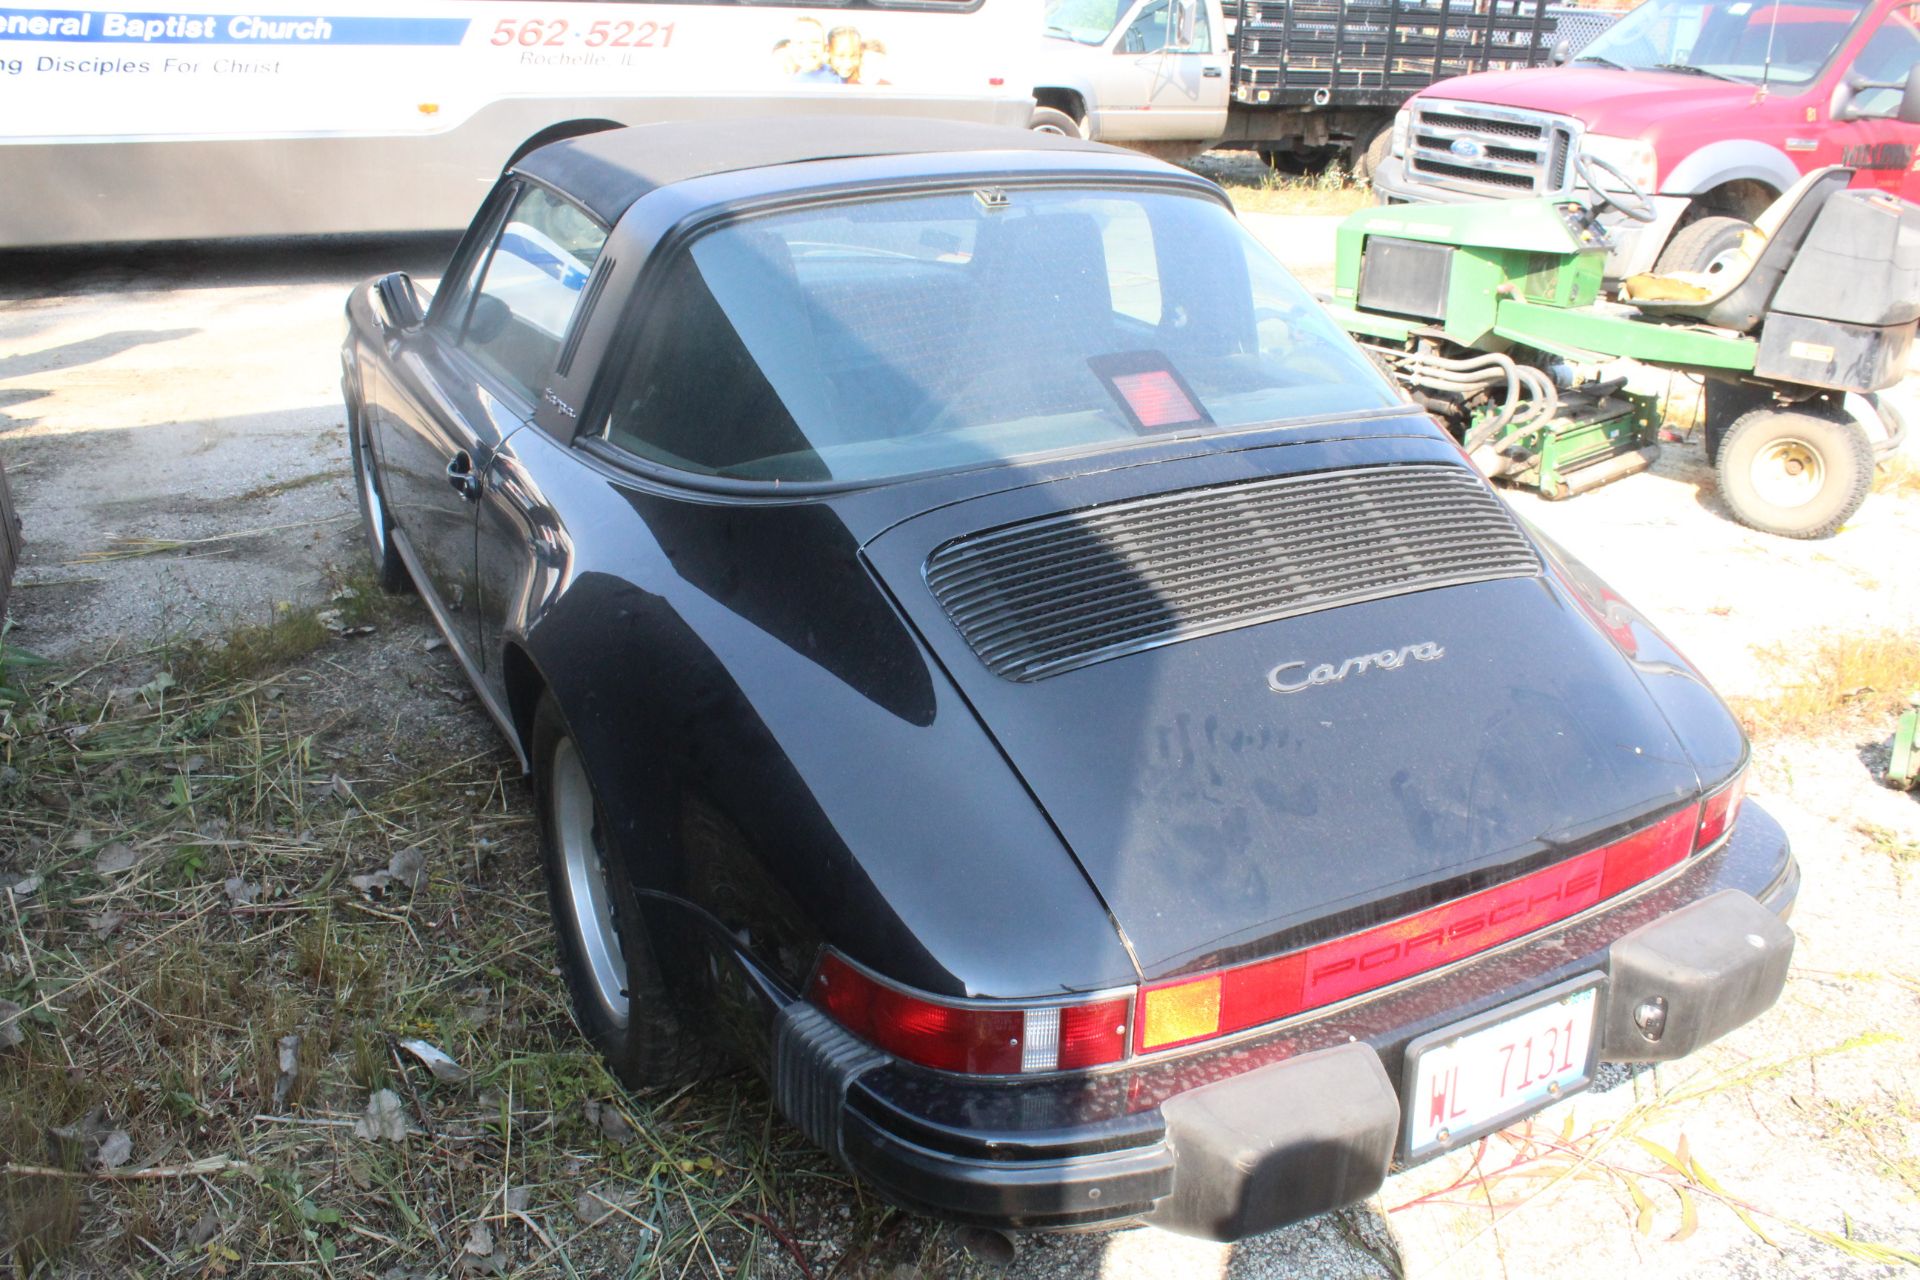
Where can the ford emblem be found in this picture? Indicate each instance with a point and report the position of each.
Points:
(1466, 148)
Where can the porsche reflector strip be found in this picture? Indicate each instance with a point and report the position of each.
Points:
(1177, 1013)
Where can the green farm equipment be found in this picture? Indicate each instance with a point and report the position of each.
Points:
(1494, 317)
(1903, 769)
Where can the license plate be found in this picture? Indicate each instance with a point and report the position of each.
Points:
(1482, 1074)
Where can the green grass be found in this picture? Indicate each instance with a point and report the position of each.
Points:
(158, 1005)
(1841, 678)
(1258, 188)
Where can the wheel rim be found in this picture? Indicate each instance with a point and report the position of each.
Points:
(1788, 473)
(1055, 130)
(588, 899)
(1720, 261)
(370, 501)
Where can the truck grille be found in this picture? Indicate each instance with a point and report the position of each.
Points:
(1043, 597)
(1490, 150)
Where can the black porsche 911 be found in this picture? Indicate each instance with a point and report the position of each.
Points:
(993, 656)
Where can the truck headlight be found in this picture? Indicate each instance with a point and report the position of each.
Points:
(1402, 130)
(1632, 156)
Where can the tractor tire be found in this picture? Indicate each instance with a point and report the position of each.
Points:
(1054, 120)
(1723, 404)
(1794, 473)
(1704, 247)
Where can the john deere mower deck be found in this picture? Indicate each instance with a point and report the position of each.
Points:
(1491, 315)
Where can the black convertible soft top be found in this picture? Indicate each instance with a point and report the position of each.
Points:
(608, 171)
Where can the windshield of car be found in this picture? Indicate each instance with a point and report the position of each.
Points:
(855, 342)
(1088, 21)
(1786, 43)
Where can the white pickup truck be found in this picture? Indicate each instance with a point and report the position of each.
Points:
(1298, 80)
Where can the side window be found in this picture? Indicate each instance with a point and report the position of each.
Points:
(1886, 58)
(531, 285)
(1148, 32)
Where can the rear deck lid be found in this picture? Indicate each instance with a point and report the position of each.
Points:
(1264, 709)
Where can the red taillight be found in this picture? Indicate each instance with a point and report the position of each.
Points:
(993, 1038)
(983, 1038)
(1721, 811)
(1230, 1000)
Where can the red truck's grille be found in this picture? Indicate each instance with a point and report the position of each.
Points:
(1468, 147)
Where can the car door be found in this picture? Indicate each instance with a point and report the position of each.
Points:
(472, 380)
(1168, 82)
(1874, 140)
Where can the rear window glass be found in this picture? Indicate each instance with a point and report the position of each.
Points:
(864, 341)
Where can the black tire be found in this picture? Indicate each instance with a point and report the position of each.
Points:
(376, 518)
(1723, 404)
(1768, 453)
(1703, 246)
(650, 1046)
(1370, 150)
(1054, 120)
(1295, 163)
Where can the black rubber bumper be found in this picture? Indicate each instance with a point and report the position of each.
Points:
(1243, 1138)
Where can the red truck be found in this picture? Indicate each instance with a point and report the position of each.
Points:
(1711, 107)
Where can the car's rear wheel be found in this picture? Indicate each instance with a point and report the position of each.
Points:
(1794, 473)
(619, 998)
(376, 522)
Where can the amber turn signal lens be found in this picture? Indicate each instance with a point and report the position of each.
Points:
(1174, 1015)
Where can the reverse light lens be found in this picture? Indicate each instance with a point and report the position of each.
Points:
(1721, 810)
(978, 1038)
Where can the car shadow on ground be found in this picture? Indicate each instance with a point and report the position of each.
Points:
(71, 355)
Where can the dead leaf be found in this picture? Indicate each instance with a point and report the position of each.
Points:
(241, 892)
(437, 643)
(10, 1033)
(1689, 1217)
(21, 884)
(80, 839)
(342, 788)
(193, 764)
(517, 1199)
(289, 1048)
(374, 884)
(386, 1118)
(115, 1149)
(608, 1119)
(479, 1240)
(105, 923)
(596, 1204)
(331, 620)
(436, 1060)
(203, 1230)
(409, 867)
(115, 858)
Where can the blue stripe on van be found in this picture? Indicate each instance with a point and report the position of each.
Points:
(79, 26)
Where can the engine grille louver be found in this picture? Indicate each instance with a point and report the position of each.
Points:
(1045, 596)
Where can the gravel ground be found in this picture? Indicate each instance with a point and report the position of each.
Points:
(193, 396)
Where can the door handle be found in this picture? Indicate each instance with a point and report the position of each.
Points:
(460, 475)
(1211, 73)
